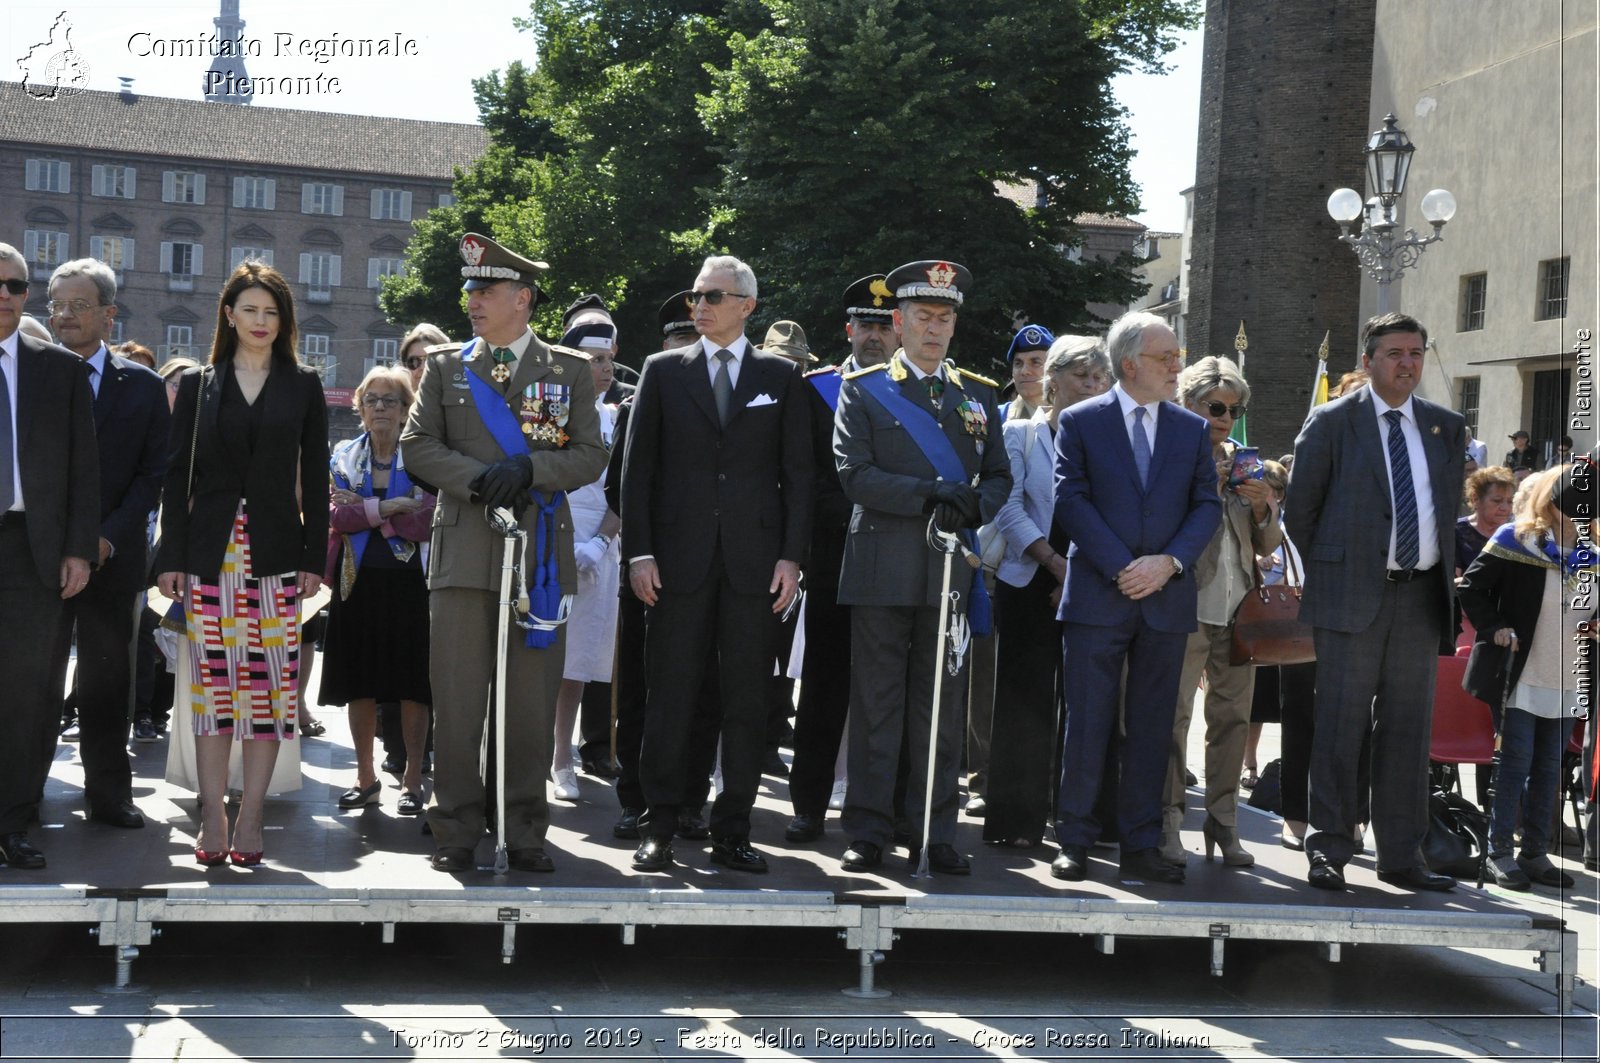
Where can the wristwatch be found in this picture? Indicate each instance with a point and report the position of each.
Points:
(1177, 567)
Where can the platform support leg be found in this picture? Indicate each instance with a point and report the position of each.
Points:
(1105, 944)
(124, 934)
(629, 933)
(508, 942)
(1216, 957)
(1330, 951)
(1562, 964)
(388, 933)
(869, 939)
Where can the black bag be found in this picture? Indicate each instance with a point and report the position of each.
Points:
(1458, 835)
(1268, 792)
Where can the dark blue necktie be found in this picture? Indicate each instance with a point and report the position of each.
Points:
(1406, 550)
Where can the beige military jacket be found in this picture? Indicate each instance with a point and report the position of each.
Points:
(448, 445)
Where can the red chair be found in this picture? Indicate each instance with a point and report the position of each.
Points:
(1463, 729)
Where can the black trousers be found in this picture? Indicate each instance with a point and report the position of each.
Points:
(103, 619)
(1027, 710)
(684, 627)
(594, 722)
(824, 696)
(30, 612)
(632, 697)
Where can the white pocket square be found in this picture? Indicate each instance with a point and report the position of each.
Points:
(762, 399)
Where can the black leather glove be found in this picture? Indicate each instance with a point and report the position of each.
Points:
(947, 518)
(503, 482)
(960, 498)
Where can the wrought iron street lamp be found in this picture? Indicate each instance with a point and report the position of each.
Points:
(1383, 253)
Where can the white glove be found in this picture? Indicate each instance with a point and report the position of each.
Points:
(589, 555)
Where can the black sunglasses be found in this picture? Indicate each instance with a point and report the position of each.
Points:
(714, 297)
(15, 287)
(1217, 409)
(415, 361)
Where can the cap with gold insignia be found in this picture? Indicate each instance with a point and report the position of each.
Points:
(788, 339)
(1030, 338)
(869, 298)
(932, 281)
(488, 262)
(674, 315)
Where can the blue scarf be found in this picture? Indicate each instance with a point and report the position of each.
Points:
(352, 471)
(1543, 552)
(544, 572)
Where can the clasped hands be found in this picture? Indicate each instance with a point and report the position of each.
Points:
(1144, 576)
(504, 484)
(955, 506)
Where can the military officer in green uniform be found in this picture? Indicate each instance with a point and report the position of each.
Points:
(506, 421)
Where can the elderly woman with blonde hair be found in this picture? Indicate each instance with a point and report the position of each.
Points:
(376, 646)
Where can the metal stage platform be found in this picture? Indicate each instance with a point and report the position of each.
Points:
(324, 865)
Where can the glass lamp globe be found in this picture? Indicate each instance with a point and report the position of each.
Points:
(1345, 205)
(1438, 206)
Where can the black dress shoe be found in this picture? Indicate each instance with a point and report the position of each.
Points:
(655, 854)
(1417, 878)
(452, 859)
(943, 858)
(1072, 864)
(1325, 874)
(692, 827)
(806, 827)
(774, 765)
(1148, 865)
(627, 825)
(121, 814)
(530, 860)
(735, 854)
(601, 767)
(862, 856)
(19, 853)
(394, 764)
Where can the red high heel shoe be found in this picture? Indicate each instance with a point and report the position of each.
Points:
(208, 859)
(245, 859)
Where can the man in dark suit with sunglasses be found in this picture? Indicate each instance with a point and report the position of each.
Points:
(716, 518)
(49, 527)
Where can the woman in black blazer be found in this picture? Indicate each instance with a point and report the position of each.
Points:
(244, 529)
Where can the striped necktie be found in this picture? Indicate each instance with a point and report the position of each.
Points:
(1406, 547)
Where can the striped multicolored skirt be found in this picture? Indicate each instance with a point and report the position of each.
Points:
(244, 647)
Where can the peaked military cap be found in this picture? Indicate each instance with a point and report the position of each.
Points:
(488, 262)
(870, 298)
(1030, 338)
(931, 281)
(599, 335)
(582, 304)
(674, 314)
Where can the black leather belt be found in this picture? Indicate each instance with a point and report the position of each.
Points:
(1405, 575)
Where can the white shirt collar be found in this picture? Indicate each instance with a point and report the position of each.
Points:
(9, 345)
(99, 360)
(1128, 402)
(916, 370)
(1380, 407)
(737, 348)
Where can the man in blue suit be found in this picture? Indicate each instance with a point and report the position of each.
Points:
(1136, 492)
(130, 419)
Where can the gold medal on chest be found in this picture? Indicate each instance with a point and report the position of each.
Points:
(501, 373)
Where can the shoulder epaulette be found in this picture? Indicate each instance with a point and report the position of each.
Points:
(824, 369)
(556, 348)
(967, 374)
(868, 369)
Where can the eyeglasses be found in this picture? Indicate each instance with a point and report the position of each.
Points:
(416, 361)
(373, 402)
(15, 287)
(1217, 409)
(714, 297)
(77, 306)
(1175, 358)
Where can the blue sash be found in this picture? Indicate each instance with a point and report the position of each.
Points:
(544, 586)
(929, 437)
(827, 385)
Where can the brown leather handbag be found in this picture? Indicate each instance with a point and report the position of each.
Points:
(1267, 629)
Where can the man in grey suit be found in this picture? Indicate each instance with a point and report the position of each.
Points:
(1378, 591)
